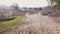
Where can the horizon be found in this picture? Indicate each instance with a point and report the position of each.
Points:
(25, 3)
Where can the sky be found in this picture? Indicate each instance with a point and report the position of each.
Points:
(25, 3)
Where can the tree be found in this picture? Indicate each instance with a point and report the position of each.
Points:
(15, 6)
(35, 8)
(40, 8)
(55, 3)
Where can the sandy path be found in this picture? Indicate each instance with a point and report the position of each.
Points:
(38, 24)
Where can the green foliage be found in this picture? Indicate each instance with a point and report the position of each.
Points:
(55, 3)
(5, 25)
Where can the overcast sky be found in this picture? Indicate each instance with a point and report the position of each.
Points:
(25, 3)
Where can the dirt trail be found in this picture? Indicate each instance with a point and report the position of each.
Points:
(37, 24)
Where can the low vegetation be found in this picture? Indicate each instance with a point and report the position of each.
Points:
(44, 13)
(6, 25)
(8, 21)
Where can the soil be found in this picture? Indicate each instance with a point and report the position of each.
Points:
(37, 24)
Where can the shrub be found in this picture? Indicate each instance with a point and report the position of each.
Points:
(44, 13)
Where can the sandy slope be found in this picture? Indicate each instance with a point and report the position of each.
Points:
(37, 24)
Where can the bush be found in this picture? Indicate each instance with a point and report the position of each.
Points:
(44, 13)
